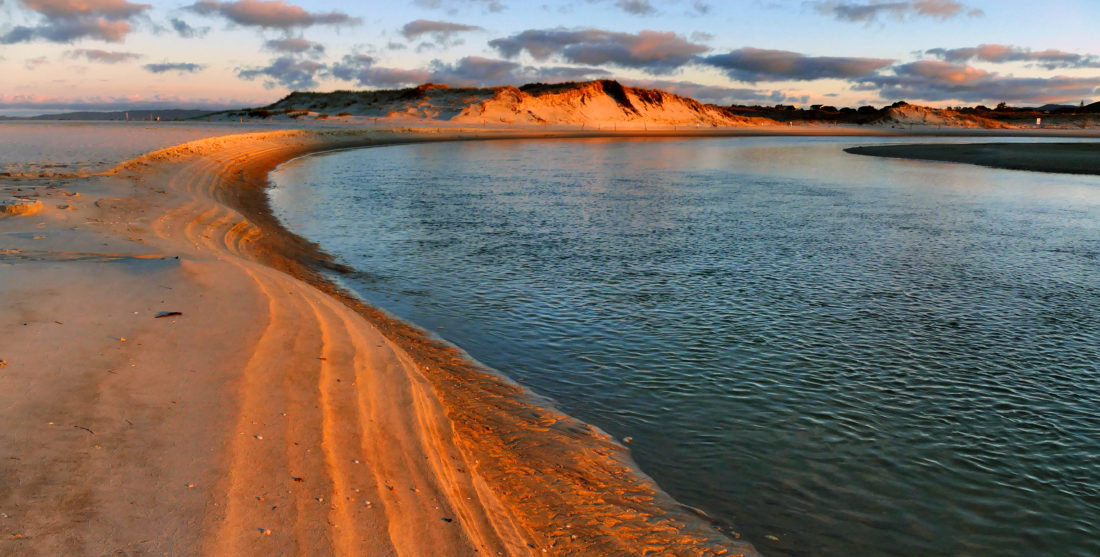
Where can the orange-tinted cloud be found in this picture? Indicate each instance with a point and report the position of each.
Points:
(271, 14)
(66, 21)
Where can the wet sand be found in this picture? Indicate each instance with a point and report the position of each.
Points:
(1072, 158)
(275, 414)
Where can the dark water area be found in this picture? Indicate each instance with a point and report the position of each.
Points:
(840, 355)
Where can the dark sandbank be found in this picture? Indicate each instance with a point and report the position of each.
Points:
(1072, 158)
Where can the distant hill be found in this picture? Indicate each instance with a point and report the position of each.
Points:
(133, 115)
(1054, 107)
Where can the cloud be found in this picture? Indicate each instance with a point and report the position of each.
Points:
(113, 9)
(700, 7)
(186, 30)
(636, 7)
(34, 63)
(65, 21)
(653, 51)
(179, 67)
(755, 64)
(270, 14)
(360, 68)
(647, 7)
(440, 30)
(935, 80)
(474, 71)
(714, 94)
(295, 46)
(286, 71)
(556, 74)
(871, 10)
(454, 6)
(471, 71)
(102, 56)
(999, 54)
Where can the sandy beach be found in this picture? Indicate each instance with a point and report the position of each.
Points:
(1073, 158)
(274, 413)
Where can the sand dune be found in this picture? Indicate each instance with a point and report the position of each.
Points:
(908, 115)
(598, 104)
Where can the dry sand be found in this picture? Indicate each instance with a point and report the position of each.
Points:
(1073, 158)
(275, 414)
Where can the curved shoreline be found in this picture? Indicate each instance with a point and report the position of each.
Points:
(525, 434)
(278, 412)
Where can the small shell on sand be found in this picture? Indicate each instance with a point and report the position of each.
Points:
(17, 207)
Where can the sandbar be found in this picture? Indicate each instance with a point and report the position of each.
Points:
(1072, 158)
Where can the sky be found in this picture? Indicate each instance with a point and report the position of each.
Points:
(61, 55)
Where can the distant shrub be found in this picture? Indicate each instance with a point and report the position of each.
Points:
(259, 113)
(344, 114)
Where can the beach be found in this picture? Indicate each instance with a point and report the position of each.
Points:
(272, 413)
(179, 377)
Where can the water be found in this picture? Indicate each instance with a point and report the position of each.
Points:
(842, 355)
(67, 147)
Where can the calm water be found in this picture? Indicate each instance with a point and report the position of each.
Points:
(62, 147)
(841, 355)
